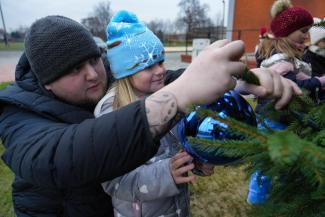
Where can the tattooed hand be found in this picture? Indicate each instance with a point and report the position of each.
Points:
(161, 109)
(206, 79)
(210, 75)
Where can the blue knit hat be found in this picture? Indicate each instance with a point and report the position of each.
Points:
(132, 47)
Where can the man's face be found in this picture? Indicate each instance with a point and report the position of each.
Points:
(85, 84)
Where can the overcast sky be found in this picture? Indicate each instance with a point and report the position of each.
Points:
(24, 12)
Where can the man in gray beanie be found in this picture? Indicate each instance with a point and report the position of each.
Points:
(62, 42)
(60, 153)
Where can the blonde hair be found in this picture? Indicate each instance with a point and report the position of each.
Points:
(279, 45)
(124, 93)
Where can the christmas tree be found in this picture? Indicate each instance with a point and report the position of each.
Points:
(294, 158)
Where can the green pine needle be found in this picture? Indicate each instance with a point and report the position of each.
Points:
(249, 77)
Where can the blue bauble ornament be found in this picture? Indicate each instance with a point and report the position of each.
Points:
(231, 104)
(259, 189)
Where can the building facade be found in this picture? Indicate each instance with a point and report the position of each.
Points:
(246, 17)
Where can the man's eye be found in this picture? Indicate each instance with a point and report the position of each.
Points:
(94, 60)
(76, 69)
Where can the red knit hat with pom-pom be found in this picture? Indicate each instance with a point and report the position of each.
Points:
(289, 19)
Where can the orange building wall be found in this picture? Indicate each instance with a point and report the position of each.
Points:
(250, 15)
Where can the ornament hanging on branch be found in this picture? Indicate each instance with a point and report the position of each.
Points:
(230, 105)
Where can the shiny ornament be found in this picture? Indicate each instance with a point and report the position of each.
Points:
(231, 104)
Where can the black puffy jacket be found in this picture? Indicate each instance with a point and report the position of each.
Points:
(60, 154)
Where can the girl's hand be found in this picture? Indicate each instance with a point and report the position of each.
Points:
(180, 165)
(273, 86)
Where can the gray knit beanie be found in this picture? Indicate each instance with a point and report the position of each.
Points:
(56, 44)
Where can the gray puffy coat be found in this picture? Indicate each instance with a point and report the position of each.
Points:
(149, 190)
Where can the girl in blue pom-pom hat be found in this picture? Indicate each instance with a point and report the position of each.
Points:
(158, 188)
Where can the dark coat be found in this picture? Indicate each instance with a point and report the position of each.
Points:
(317, 63)
(60, 153)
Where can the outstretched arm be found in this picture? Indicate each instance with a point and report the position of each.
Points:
(207, 78)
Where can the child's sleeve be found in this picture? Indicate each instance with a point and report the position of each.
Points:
(309, 84)
(146, 183)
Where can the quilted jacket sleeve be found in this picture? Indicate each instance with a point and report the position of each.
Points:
(49, 153)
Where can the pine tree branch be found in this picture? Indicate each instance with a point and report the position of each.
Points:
(249, 77)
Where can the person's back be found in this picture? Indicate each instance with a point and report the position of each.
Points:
(315, 54)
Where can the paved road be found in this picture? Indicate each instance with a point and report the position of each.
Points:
(9, 59)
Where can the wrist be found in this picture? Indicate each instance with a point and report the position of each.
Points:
(162, 112)
(177, 90)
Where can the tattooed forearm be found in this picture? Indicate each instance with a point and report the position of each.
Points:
(161, 109)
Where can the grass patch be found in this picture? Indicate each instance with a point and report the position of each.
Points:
(221, 195)
(4, 84)
(12, 46)
(6, 177)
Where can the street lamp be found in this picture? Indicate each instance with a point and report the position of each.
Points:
(223, 19)
(4, 26)
(223, 12)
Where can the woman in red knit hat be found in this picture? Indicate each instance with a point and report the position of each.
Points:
(283, 52)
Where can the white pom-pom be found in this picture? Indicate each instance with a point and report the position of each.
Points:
(279, 6)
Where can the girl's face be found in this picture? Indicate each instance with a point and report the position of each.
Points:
(149, 80)
(299, 37)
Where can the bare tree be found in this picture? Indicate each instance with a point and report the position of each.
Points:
(166, 26)
(170, 27)
(99, 18)
(157, 26)
(19, 33)
(192, 15)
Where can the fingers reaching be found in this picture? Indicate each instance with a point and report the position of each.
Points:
(277, 85)
(218, 44)
(288, 92)
(180, 164)
(234, 50)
